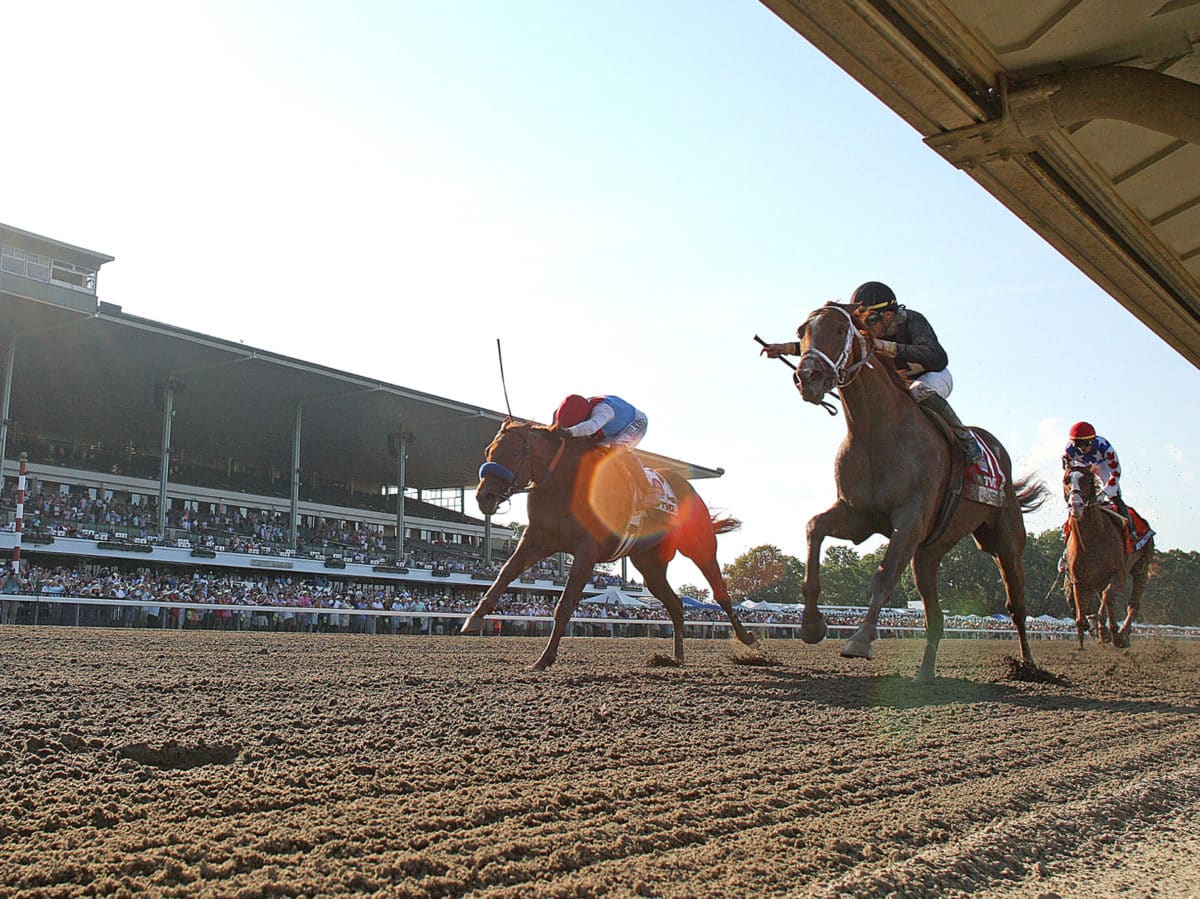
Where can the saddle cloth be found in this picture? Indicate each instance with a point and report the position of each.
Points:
(667, 502)
(984, 481)
(1134, 541)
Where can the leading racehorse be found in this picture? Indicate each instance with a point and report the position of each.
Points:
(582, 504)
(1097, 563)
(894, 472)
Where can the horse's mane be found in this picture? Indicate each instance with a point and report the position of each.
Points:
(869, 342)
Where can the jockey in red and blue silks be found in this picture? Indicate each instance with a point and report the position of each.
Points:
(1087, 449)
(611, 421)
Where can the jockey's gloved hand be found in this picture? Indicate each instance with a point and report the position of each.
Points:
(885, 347)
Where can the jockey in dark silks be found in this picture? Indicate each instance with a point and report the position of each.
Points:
(907, 337)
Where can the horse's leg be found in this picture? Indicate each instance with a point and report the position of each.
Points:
(901, 550)
(1108, 599)
(1006, 545)
(699, 544)
(526, 553)
(1083, 602)
(654, 570)
(925, 575)
(581, 571)
(840, 521)
(712, 573)
(1139, 575)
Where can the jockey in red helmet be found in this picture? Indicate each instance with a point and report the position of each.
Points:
(611, 422)
(1087, 449)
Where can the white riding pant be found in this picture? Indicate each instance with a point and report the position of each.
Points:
(631, 435)
(928, 383)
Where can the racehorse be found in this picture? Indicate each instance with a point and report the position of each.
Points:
(581, 504)
(893, 471)
(1097, 563)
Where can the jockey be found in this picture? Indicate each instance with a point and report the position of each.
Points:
(1087, 449)
(907, 337)
(611, 422)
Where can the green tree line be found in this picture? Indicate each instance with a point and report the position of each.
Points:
(968, 581)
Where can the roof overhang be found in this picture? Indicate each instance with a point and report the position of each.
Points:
(1085, 124)
(102, 375)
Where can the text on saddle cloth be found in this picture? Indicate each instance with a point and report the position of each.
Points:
(984, 480)
(667, 502)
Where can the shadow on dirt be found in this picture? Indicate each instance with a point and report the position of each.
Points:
(850, 691)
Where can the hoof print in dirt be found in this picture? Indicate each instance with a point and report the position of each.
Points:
(662, 660)
(755, 656)
(174, 756)
(1021, 670)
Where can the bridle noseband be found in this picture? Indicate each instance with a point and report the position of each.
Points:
(843, 373)
(512, 480)
(1076, 474)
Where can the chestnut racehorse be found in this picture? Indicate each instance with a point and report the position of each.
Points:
(580, 504)
(893, 471)
(1097, 563)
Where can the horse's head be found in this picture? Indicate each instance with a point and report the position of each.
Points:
(832, 350)
(510, 460)
(1079, 489)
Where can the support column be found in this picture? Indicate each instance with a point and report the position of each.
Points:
(487, 539)
(401, 458)
(164, 473)
(20, 516)
(295, 513)
(8, 376)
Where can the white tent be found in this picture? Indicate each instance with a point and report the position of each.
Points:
(614, 597)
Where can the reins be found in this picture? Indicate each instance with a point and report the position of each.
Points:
(843, 373)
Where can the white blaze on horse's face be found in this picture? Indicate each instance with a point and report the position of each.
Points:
(1075, 500)
(830, 333)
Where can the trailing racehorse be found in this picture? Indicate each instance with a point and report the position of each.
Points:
(899, 475)
(581, 502)
(1097, 562)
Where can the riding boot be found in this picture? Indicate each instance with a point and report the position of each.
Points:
(970, 446)
(646, 498)
(1124, 510)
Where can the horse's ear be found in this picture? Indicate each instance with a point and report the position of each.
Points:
(800, 331)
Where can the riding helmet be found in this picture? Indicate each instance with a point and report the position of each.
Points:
(873, 295)
(572, 411)
(1082, 431)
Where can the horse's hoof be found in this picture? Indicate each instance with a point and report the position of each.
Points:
(813, 633)
(541, 665)
(856, 649)
(471, 628)
(924, 678)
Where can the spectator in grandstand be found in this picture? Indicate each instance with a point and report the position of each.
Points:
(11, 587)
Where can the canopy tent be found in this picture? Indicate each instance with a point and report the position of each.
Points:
(690, 603)
(614, 597)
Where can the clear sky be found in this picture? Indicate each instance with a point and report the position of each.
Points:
(623, 193)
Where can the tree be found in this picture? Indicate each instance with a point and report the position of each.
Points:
(844, 579)
(700, 593)
(765, 574)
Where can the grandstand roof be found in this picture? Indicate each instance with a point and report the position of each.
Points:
(1081, 118)
(102, 370)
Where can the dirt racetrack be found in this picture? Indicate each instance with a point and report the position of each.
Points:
(249, 764)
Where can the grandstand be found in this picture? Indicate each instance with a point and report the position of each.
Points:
(149, 445)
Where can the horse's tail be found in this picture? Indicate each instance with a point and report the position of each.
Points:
(724, 524)
(1031, 494)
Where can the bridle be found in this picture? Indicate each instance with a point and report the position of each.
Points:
(1075, 498)
(513, 480)
(843, 372)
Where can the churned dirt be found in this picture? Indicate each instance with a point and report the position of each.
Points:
(233, 764)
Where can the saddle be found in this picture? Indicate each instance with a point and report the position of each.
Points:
(1135, 540)
(667, 503)
(982, 482)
